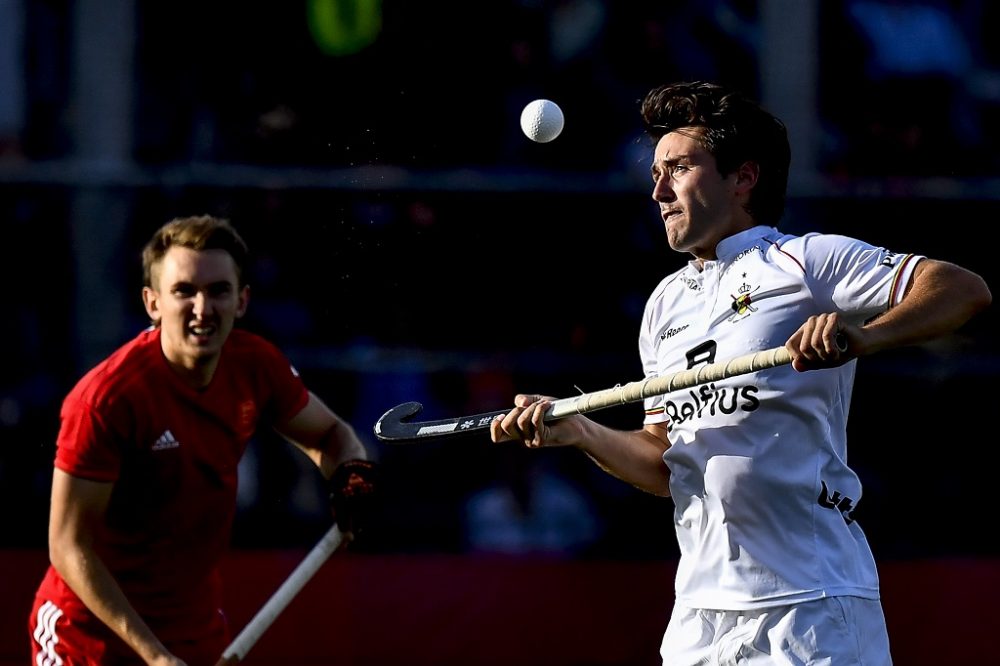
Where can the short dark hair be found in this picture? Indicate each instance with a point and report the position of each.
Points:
(200, 232)
(734, 129)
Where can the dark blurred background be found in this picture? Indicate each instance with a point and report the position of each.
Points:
(371, 154)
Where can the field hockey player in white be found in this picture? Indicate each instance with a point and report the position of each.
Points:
(774, 568)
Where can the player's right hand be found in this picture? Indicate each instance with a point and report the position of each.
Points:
(354, 494)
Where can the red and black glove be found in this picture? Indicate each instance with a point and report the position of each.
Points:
(353, 494)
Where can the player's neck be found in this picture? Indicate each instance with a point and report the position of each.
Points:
(196, 373)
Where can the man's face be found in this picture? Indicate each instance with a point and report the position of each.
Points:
(196, 299)
(699, 206)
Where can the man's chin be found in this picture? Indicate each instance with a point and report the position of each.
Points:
(203, 351)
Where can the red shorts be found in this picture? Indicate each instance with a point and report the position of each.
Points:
(74, 637)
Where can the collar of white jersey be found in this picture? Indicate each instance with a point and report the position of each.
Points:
(730, 246)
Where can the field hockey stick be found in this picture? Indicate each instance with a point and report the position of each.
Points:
(247, 638)
(394, 426)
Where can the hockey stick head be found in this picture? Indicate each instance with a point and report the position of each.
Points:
(390, 425)
(396, 425)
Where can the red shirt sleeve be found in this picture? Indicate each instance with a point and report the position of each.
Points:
(289, 394)
(85, 446)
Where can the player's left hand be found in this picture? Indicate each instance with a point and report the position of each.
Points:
(526, 423)
(823, 341)
(353, 494)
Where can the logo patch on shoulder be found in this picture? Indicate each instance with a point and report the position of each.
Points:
(889, 259)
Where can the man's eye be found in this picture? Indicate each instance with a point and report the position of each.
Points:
(183, 292)
(670, 170)
(220, 290)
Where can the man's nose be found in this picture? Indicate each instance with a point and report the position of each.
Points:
(202, 304)
(662, 191)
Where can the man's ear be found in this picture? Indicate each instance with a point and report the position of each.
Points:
(152, 302)
(244, 301)
(746, 176)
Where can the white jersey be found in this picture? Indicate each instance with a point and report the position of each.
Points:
(758, 463)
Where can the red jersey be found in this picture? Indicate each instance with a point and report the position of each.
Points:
(172, 452)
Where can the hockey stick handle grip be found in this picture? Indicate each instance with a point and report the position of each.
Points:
(639, 390)
(247, 638)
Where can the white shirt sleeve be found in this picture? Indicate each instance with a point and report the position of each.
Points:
(857, 279)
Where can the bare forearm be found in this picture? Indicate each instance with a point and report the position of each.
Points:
(343, 444)
(635, 457)
(942, 298)
(340, 443)
(322, 435)
(90, 579)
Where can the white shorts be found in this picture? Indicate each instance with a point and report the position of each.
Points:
(836, 631)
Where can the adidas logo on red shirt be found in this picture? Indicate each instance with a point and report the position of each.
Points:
(166, 441)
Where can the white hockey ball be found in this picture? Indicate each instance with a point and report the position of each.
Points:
(542, 120)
